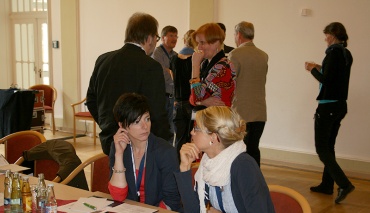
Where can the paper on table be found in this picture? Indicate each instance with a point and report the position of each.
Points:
(128, 208)
(78, 206)
(12, 167)
(3, 161)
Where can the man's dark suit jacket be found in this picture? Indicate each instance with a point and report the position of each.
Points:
(227, 49)
(128, 69)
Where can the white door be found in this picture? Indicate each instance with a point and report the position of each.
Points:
(30, 42)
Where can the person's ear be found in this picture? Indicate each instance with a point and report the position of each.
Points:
(120, 124)
(215, 137)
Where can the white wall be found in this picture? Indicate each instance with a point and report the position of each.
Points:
(57, 57)
(5, 79)
(103, 25)
(291, 39)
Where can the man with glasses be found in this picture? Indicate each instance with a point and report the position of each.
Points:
(129, 69)
(163, 54)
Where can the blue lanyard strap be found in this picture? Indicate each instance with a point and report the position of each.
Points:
(165, 51)
(140, 175)
(219, 198)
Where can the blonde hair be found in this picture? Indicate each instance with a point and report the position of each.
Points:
(223, 121)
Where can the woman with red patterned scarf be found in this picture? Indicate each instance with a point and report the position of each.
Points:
(213, 75)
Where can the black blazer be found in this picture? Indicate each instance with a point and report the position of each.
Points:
(160, 183)
(336, 70)
(128, 69)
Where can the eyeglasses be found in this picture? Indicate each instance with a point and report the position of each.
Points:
(158, 37)
(197, 129)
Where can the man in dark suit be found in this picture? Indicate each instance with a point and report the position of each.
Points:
(129, 69)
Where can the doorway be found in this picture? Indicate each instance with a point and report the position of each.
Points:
(29, 30)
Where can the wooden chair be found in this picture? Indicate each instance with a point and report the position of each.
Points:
(50, 96)
(100, 173)
(80, 115)
(17, 142)
(287, 200)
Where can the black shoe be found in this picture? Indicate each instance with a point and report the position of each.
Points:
(343, 192)
(321, 189)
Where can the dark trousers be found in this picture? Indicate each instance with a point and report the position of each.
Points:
(182, 123)
(327, 122)
(252, 139)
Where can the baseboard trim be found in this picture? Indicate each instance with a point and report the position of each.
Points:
(303, 161)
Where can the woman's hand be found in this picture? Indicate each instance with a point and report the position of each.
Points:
(197, 58)
(188, 153)
(212, 210)
(121, 140)
(310, 65)
(212, 101)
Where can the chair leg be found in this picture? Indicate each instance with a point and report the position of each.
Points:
(52, 117)
(74, 129)
(94, 133)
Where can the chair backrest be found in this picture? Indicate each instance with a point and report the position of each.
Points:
(78, 104)
(100, 175)
(62, 155)
(17, 142)
(287, 200)
(99, 172)
(50, 94)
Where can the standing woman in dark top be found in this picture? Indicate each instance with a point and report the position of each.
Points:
(333, 76)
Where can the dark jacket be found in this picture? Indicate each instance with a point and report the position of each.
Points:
(248, 187)
(128, 69)
(336, 70)
(181, 69)
(161, 163)
(64, 154)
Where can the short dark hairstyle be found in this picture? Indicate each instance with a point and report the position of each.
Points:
(222, 26)
(338, 31)
(139, 27)
(129, 107)
(168, 29)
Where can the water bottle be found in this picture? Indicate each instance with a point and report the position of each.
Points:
(7, 190)
(16, 196)
(41, 200)
(26, 195)
(51, 203)
(41, 182)
(41, 194)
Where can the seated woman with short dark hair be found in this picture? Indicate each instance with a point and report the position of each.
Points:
(142, 164)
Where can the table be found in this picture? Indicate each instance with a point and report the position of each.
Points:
(65, 192)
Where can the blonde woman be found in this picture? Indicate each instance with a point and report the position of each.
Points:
(228, 179)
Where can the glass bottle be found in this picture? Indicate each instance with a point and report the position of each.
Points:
(41, 194)
(16, 196)
(7, 190)
(41, 183)
(26, 195)
(40, 200)
(51, 203)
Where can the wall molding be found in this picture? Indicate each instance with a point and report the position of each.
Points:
(310, 162)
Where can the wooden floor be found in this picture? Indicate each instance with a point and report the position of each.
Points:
(357, 202)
